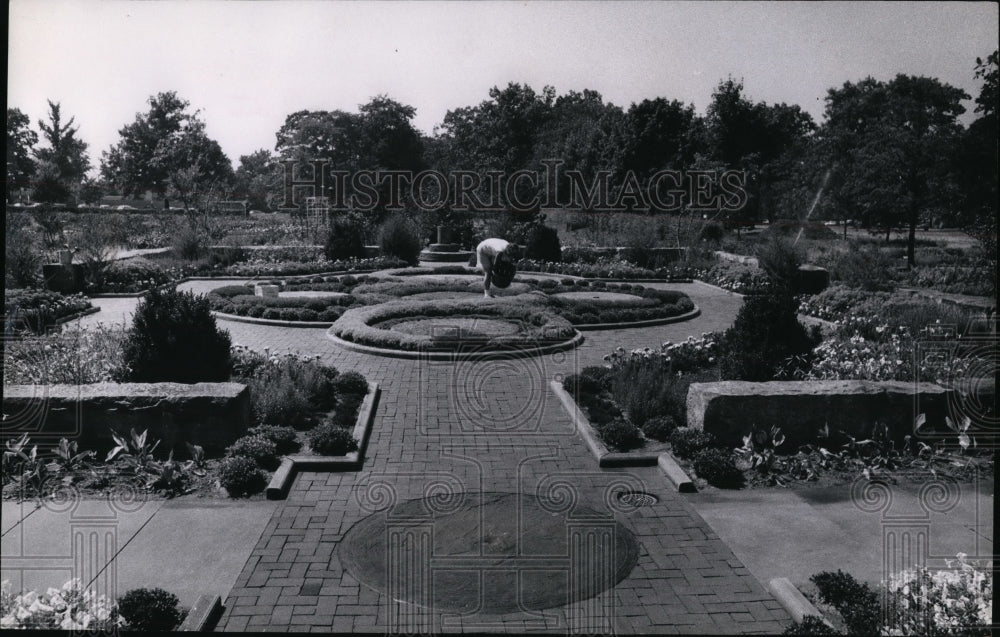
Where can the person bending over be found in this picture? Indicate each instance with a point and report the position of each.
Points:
(495, 257)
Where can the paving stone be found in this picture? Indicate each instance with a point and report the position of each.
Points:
(434, 419)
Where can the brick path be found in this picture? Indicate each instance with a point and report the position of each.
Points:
(491, 426)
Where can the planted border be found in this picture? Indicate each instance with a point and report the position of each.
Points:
(606, 458)
(277, 489)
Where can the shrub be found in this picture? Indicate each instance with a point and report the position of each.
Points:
(22, 252)
(240, 476)
(350, 382)
(780, 260)
(716, 466)
(857, 603)
(330, 439)
(400, 238)
(712, 232)
(591, 381)
(174, 338)
(621, 435)
(347, 410)
(284, 438)
(149, 609)
(810, 625)
(188, 244)
(686, 442)
(542, 243)
(289, 391)
(344, 241)
(764, 336)
(659, 428)
(866, 267)
(258, 448)
(642, 388)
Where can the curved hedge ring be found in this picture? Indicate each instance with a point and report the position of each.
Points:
(542, 331)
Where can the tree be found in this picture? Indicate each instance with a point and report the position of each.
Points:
(660, 135)
(257, 179)
(66, 154)
(160, 144)
(978, 157)
(20, 142)
(891, 144)
(765, 142)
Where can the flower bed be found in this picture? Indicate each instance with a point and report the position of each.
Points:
(72, 356)
(957, 600)
(629, 303)
(290, 396)
(537, 326)
(642, 396)
(605, 268)
(36, 310)
(69, 608)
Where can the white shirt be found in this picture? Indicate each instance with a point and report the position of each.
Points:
(492, 247)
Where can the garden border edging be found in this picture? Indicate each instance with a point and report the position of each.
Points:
(203, 615)
(680, 318)
(444, 355)
(277, 489)
(792, 600)
(606, 458)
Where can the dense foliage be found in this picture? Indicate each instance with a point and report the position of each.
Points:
(174, 338)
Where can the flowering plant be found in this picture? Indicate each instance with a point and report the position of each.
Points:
(946, 602)
(688, 355)
(67, 608)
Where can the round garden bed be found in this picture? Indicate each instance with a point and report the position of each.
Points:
(481, 328)
(324, 299)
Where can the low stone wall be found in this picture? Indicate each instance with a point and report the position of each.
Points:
(728, 409)
(212, 415)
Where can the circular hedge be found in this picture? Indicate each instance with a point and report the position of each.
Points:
(372, 325)
(615, 303)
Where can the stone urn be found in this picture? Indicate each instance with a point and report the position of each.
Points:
(65, 257)
(444, 234)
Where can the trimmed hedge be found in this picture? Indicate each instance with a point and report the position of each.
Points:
(649, 304)
(357, 325)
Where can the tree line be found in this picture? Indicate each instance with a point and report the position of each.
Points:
(888, 154)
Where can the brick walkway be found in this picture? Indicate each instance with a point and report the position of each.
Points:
(489, 426)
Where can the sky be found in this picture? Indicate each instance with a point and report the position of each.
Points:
(247, 65)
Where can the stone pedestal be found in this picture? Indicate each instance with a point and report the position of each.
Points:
(812, 279)
(66, 279)
(266, 291)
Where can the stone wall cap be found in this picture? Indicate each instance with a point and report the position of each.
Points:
(74, 392)
(788, 387)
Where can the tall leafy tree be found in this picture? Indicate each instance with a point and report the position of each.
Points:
(20, 144)
(166, 149)
(763, 141)
(891, 144)
(65, 150)
(661, 134)
(257, 179)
